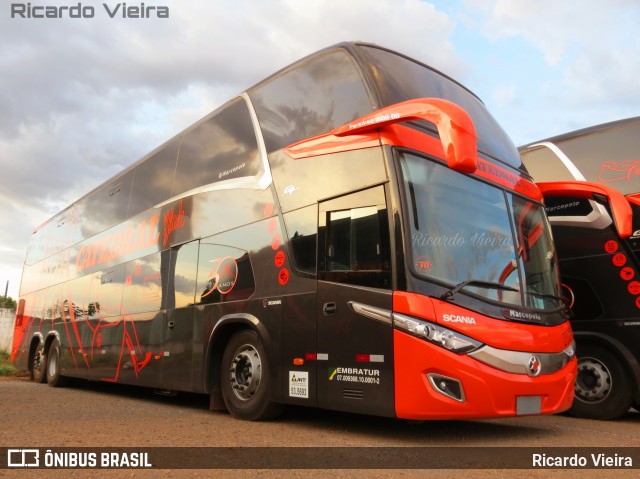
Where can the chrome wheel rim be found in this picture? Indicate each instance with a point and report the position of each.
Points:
(245, 372)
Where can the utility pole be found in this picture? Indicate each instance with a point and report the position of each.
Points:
(6, 290)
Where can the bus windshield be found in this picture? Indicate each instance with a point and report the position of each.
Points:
(468, 233)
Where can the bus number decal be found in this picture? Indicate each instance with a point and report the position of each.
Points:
(423, 263)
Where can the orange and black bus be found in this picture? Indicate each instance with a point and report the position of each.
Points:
(591, 182)
(354, 233)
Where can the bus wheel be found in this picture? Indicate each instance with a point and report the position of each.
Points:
(53, 366)
(39, 364)
(245, 378)
(602, 391)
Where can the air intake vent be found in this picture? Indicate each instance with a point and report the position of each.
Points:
(353, 393)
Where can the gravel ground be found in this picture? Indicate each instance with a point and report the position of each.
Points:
(103, 415)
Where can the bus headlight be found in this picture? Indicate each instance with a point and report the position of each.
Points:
(436, 334)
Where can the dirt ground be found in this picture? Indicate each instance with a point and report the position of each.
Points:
(102, 415)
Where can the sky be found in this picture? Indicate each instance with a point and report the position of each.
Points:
(83, 98)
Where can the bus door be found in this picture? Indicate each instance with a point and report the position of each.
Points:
(354, 303)
(179, 319)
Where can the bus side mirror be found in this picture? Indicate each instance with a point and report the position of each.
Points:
(455, 127)
(620, 207)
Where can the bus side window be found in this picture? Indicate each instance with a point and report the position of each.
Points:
(182, 284)
(354, 240)
(224, 274)
(302, 230)
(143, 284)
(153, 179)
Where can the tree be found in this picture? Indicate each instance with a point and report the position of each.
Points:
(7, 302)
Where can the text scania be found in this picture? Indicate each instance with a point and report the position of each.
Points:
(454, 318)
(79, 10)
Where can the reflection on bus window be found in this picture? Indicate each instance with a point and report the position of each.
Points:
(224, 274)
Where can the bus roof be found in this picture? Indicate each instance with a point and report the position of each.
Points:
(585, 131)
(229, 147)
(608, 154)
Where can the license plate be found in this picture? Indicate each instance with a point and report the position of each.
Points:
(528, 405)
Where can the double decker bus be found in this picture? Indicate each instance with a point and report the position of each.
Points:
(354, 233)
(591, 182)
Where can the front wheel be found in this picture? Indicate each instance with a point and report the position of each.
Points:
(245, 379)
(54, 378)
(602, 390)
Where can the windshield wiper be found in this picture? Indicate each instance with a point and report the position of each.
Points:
(476, 282)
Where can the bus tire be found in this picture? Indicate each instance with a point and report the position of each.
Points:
(54, 378)
(39, 364)
(602, 388)
(245, 378)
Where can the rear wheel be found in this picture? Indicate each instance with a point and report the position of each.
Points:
(245, 379)
(54, 378)
(602, 390)
(39, 364)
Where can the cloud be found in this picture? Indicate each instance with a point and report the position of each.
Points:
(594, 44)
(504, 95)
(80, 99)
(587, 71)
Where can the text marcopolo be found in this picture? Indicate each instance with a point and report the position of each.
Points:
(79, 10)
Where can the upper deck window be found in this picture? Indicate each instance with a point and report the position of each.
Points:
(222, 148)
(310, 99)
(398, 78)
(153, 179)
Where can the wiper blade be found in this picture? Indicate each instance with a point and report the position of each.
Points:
(476, 282)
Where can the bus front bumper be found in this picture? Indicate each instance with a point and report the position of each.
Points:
(434, 383)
